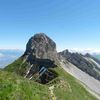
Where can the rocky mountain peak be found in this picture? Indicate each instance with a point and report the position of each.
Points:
(42, 47)
(40, 39)
(40, 55)
(88, 55)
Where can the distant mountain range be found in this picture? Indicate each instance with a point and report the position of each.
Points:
(7, 56)
(97, 56)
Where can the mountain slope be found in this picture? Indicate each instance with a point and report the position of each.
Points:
(66, 87)
(91, 84)
(86, 63)
(41, 63)
(14, 87)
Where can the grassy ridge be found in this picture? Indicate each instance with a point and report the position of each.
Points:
(66, 87)
(13, 87)
(18, 67)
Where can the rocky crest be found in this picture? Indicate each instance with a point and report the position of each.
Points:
(40, 55)
(86, 63)
(41, 47)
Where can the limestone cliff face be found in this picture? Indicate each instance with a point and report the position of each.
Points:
(41, 47)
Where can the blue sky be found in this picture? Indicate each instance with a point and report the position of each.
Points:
(72, 24)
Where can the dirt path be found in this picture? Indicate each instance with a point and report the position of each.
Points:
(51, 89)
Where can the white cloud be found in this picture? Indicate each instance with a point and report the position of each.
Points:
(84, 51)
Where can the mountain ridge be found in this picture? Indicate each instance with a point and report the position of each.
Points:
(83, 62)
(41, 61)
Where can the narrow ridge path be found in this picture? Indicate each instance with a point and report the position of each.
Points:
(51, 89)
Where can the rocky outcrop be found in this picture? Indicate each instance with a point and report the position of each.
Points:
(83, 62)
(40, 55)
(41, 47)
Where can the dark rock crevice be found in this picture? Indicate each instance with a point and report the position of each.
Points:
(39, 71)
(47, 77)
